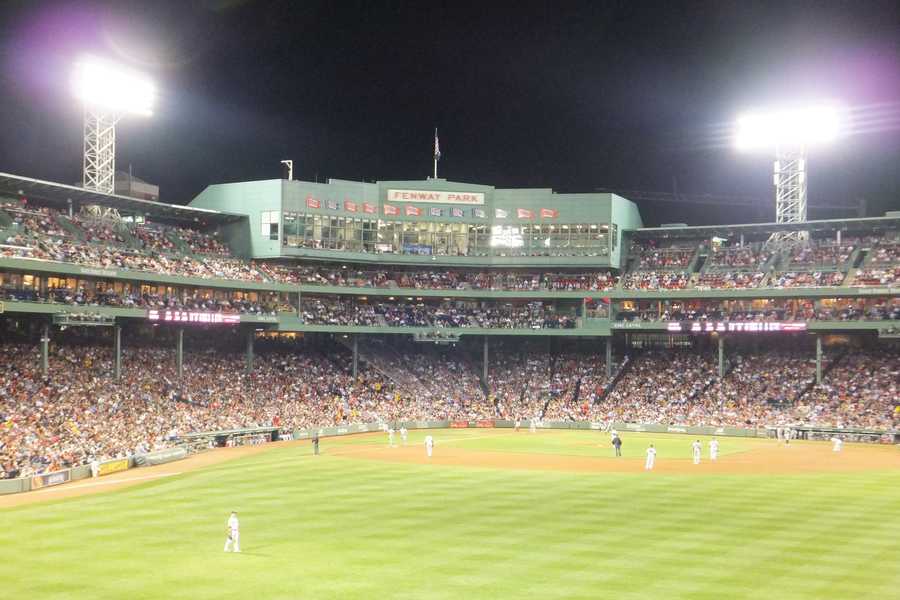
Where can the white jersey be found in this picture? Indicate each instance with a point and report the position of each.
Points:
(233, 523)
(403, 432)
(838, 442)
(651, 453)
(714, 447)
(696, 447)
(429, 441)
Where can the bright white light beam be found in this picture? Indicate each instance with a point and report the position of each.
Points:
(798, 128)
(100, 84)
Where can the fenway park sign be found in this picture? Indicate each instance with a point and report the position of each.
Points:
(436, 197)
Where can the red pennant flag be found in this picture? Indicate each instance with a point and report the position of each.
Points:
(549, 213)
(413, 211)
(313, 202)
(524, 213)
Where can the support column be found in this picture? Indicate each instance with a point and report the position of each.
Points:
(179, 353)
(355, 356)
(818, 359)
(45, 350)
(118, 351)
(609, 366)
(249, 365)
(721, 356)
(299, 305)
(484, 366)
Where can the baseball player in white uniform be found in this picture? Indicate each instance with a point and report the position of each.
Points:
(838, 442)
(234, 535)
(403, 434)
(696, 447)
(429, 445)
(651, 458)
(391, 437)
(533, 427)
(713, 449)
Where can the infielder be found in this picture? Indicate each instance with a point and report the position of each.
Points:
(533, 427)
(651, 458)
(429, 445)
(713, 449)
(403, 434)
(697, 448)
(518, 424)
(838, 442)
(234, 535)
(391, 437)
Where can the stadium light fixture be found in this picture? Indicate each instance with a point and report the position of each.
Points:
(108, 92)
(788, 133)
(815, 125)
(100, 84)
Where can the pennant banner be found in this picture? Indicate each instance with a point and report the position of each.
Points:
(313, 202)
(390, 210)
(368, 208)
(413, 211)
(524, 213)
(349, 206)
(479, 213)
(332, 205)
(456, 212)
(499, 213)
(437, 212)
(549, 213)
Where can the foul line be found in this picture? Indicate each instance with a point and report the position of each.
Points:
(64, 488)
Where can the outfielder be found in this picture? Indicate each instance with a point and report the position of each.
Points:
(391, 437)
(234, 535)
(697, 448)
(429, 445)
(713, 449)
(403, 434)
(838, 442)
(651, 458)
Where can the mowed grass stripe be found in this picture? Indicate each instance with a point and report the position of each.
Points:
(335, 527)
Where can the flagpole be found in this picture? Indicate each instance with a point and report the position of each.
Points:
(435, 168)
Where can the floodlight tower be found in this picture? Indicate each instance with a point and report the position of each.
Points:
(789, 133)
(108, 92)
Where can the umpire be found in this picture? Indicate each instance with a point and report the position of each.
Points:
(617, 442)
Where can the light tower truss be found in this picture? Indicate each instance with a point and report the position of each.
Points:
(100, 158)
(790, 179)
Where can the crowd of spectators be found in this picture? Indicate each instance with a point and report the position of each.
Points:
(798, 279)
(655, 280)
(79, 413)
(729, 280)
(650, 256)
(348, 311)
(877, 276)
(822, 253)
(750, 256)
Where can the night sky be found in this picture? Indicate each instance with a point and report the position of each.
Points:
(621, 95)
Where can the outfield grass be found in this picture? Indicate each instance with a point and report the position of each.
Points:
(339, 527)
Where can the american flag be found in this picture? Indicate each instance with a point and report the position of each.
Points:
(437, 146)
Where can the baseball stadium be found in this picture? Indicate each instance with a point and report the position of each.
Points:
(427, 388)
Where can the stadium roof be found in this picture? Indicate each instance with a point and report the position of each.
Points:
(693, 231)
(60, 193)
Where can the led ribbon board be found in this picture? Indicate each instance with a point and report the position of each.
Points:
(189, 316)
(734, 326)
